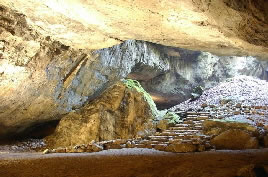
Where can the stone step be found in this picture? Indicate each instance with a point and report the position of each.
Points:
(141, 146)
(180, 128)
(202, 118)
(204, 113)
(192, 113)
(160, 136)
(181, 125)
(159, 140)
(186, 129)
(159, 145)
(181, 131)
(190, 118)
(169, 134)
(188, 122)
(187, 137)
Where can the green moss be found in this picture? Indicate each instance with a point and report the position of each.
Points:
(158, 114)
(133, 84)
(172, 118)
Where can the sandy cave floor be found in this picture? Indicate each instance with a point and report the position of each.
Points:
(132, 163)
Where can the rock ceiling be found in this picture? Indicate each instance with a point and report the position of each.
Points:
(223, 27)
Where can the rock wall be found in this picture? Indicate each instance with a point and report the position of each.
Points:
(189, 69)
(119, 113)
(42, 79)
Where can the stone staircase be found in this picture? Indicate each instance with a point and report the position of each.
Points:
(187, 132)
(186, 136)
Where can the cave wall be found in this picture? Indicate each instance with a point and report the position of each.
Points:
(48, 67)
(41, 79)
(189, 69)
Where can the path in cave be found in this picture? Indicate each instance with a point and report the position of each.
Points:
(135, 163)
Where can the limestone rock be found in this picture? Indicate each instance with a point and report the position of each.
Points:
(235, 140)
(194, 68)
(160, 147)
(183, 147)
(41, 79)
(96, 148)
(214, 128)
(162, 125)
(223, 26)
(119, 113)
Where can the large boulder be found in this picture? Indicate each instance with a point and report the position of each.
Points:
(216, 127)
(231, 135)
(230, 27)
(119, 113)
(235, 140)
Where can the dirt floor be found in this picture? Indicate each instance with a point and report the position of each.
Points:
(136, 163)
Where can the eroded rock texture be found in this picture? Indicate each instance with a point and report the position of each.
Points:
(41, 79)
(229, 27)
(119, 113)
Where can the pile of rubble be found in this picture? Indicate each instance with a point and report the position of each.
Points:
(29, 145)
(241, 89)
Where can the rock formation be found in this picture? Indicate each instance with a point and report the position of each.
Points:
(230, 27)
(189, 69)
(42, 79)
(232, 135)
(119, 113)
(48, 67)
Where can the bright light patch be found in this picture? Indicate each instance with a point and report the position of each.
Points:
(11, 69)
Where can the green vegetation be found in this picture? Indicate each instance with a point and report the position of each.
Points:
(159, 115)
(172, 118)
(133, 84)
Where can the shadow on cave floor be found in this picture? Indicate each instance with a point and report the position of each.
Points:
(29, 140)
